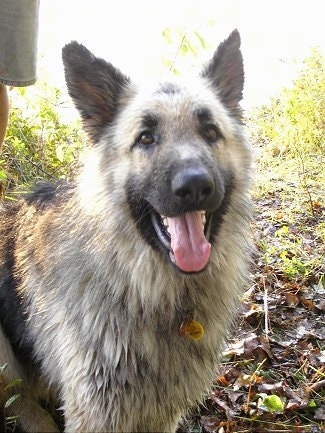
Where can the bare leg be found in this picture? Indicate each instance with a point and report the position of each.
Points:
(4, 113)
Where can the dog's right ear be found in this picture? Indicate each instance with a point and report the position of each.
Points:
(94, 85)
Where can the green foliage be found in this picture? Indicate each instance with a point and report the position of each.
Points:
(320, 229)
(186, 47)
(289, 135)
(10, 420)
(286, 254)
(271, 403)
(38, 145)
(295, 121)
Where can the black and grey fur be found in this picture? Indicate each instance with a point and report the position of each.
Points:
(93, 290)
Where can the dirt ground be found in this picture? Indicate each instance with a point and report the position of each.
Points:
(272, 378)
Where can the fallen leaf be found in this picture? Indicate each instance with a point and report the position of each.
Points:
(279, 215)
(317, 206)
(307, 303)
(273, 403)
(320, 305)
(291, 299)
(272, 387)
(243, 380)
(221, 380)
(320, 414)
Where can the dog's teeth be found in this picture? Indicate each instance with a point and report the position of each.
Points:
(203, 218)
(165, 221)
(172, 257)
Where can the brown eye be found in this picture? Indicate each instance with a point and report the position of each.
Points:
(211, 133)
(146, 138)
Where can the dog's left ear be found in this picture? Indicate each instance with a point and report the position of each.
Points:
(94, 85)
(225, 72)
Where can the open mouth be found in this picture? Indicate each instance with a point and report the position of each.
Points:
(186, 238)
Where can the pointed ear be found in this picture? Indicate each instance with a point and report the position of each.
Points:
(94, 85)
(225, 72)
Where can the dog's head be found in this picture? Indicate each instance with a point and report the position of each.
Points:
(181, 145)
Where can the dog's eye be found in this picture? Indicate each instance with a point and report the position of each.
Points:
(146, 138)
(211, 133)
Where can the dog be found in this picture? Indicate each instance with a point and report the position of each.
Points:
(117, 291)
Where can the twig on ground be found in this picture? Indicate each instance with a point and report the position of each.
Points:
(266, 310)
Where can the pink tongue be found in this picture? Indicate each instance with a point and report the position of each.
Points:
(188, 243)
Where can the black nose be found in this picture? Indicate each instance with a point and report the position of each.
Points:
(194, 186)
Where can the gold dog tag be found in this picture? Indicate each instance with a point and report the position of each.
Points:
(191, 329)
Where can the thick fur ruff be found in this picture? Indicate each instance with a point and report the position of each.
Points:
(95, 289)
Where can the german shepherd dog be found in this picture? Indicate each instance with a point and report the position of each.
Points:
(117, 291)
